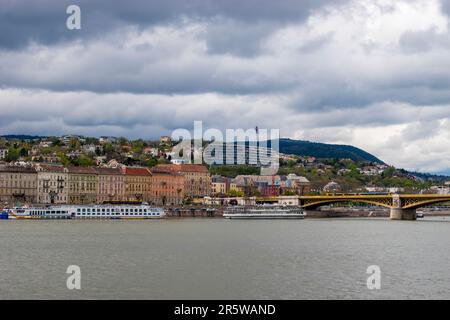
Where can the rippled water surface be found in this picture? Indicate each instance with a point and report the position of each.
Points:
(225, 259)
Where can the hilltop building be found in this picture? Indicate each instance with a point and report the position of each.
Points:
(332, 187)
(3, 153)
(239, 153)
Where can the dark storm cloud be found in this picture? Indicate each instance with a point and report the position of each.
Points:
(43, 21)
(238, 37)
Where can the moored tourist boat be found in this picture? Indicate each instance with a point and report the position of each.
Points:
(264, 212)
(4, 215)
(143, 211)
(87, 212)
(50, 212)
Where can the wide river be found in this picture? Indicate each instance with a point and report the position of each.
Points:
(201, 258)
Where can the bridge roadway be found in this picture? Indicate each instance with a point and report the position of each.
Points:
(402, 206)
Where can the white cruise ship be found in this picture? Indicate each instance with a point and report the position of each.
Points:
(264, 212)
(87, 212)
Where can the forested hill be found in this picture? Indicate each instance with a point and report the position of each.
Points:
(323, 150)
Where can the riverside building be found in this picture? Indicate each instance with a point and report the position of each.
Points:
(52, 184)
(18, 184)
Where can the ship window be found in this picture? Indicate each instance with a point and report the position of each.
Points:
(78, 210)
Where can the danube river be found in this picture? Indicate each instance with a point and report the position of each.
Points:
(195, 258)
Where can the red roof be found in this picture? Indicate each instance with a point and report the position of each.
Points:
(163, 169)
(17, 169)
(82, 170)
(181, 168)
(108, 171)
(135, 171)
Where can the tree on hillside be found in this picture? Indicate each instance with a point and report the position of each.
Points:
(74, 144)
(23, 152)
(13, 154)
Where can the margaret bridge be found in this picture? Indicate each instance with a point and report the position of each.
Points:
(402, 206)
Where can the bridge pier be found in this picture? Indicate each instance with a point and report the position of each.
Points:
(403, 214)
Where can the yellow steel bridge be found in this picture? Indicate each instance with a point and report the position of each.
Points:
(403, 206)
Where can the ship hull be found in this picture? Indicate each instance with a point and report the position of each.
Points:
(263, 216)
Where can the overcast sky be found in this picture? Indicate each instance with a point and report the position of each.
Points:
(374, 74)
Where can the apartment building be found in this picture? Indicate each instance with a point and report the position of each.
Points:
(52, 184)
(82, 185)
(137, 183)
(110, 186)
(3, 153)
(197, 180)
(219, 185)
(167, 187)
(17, 184)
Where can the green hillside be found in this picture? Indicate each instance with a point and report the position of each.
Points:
(323, 150)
